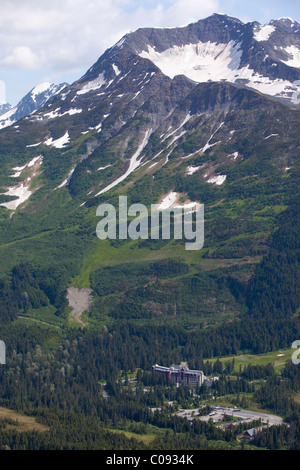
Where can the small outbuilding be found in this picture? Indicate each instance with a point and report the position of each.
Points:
(249, 434)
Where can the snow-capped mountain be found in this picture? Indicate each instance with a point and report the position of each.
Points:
(33, 101)
(263, 57)
(160, 94)
(220, 48)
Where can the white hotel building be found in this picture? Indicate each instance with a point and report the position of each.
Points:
(180, 374)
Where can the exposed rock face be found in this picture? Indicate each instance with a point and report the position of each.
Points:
(168, 93)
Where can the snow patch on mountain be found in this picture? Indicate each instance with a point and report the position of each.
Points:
(186, 119)
(170, 199)
(54, 114)
(58, 143)
(34, 160)
(263, 32)
(133, 165)
(101, 168)
(116, 69)
(192, 169)
(234, 155)
(199, 62)
(294, 53)
(22, 192)
(41, 88)
(167, 201)
(207, 61)
(218, 180)
(67, 180)
(19, 169)
(208, 145)
(153, 165)
(33, 145)
(271, 135)
(93, 85)
(6, 120)
(267, 86)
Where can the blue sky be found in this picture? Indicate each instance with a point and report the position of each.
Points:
(56, 41)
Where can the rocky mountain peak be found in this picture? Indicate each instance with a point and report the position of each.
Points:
(34, 100)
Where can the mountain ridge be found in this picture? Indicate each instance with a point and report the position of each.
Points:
(115, 108)
(35, 99)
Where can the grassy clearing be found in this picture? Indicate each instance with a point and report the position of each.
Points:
(23, 423)
(145, 438)
(104, 254)
(297, 398)
(45, 315)
(278, 358)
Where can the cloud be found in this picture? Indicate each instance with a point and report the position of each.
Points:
(69, 35)
(21, 57)
(2, 92)
(188, 11)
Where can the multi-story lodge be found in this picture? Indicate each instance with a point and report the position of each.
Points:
(180, 374)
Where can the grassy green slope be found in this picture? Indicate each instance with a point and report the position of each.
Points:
(55, 231)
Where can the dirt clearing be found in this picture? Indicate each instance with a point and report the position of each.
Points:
(23, 423)
(79, 300)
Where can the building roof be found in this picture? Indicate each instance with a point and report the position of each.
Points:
(178, 368)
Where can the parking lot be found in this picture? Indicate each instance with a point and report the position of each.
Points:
(245, 415)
